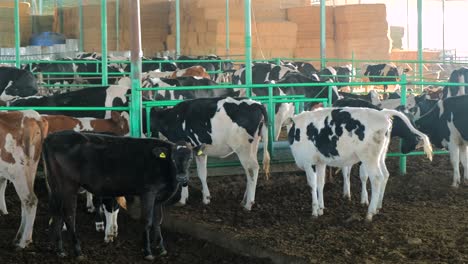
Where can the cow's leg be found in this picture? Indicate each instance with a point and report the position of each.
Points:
(99, 214)
(321, 169)
(202, 174)
(25, 191)
(376, 179)
(56, 234)
(248, 159)
(158, 218)
(454, 152)
(147, 214)
(385, 173)
(346, 171)
(464, 161)
(312, 181)
(89, 202)
(111, 211)
(69, 207)
(363, 176)
(3, 185)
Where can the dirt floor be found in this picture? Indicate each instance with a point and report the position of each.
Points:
(423, 220)
(126, 249)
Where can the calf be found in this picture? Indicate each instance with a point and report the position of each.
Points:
(382, 73)
(457, 76)
(113, 95)
(399, 129)
(16, 83)
(324, 136)
(106, 166)
(372, 96)
(446, 125)
(226, 126)
(21, 137)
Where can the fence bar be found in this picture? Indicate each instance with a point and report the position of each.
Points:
(80, 18)
(117, 26)
(227, 29)
(136, 58)
(104, 42)
(420, 48)
(17, 36)
(323, 42)
(403, 102)
(248, 45)
(177, 13)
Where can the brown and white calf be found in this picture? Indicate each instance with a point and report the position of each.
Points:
(118, 125)
(21, 137)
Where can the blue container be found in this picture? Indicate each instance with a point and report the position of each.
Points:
(47, 39)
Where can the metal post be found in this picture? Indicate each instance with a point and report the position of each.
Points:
(17, 36)
(136, 58)
(407, 25)
(60, 13)
(403, 102)
(40, 7)
(323, 42)
(117, 26)
(443, 31)
(177, 13)
(80, 17)
(104, 42)
(227, 29)
(420, 49)
(248, 45)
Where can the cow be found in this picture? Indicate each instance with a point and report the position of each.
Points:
(399, 129)
(457, 76)
(106, 166)
(226, 125)
(179, 94)
(323, 137)
(337, 73)
(86, 71)
(16, 83)
(285, 110)
(372, 96)
(22, 134)
(43, 70)
(384, 72)
(446, 125)
(108, 96)
(261, 73)
(209, 66)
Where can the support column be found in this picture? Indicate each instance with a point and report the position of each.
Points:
(136, 58)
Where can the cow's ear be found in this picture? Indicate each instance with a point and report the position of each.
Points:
(160, 152)
(200, 149)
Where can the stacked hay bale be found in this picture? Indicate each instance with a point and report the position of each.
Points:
(154, 25)
(308, 32)
(203, 28)
(362, 29)
(397, 34)
(7, 24)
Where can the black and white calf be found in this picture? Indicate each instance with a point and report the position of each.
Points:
(261, 73)
(383, 73)
(446, 124)
(106, 166)
(15, 83)
(226, 126)
(324, 136)
(457, 76)
(400, 129)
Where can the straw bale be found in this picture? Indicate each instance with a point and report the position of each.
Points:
(360, 13)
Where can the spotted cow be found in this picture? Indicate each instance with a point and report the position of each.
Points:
(226, 126)
(16, 83)
(324, 136)
(21, 137)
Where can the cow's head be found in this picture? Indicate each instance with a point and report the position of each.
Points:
(121, 120)
(181, 156)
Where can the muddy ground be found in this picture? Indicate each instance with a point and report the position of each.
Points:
(423, 220)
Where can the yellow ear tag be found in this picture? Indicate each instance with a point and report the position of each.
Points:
(200, 152)
(162, 155)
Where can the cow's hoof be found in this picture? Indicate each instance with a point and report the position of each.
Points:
(369, 218)
(149, 257)
(61, 254)
(163, 252)
(180, 204)
(91, 209)
(454, 185)
(99, 226)
(80, 258)
(206, 200)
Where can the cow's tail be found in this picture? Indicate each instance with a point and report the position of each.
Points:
(55, 201)
(266, 154)
(427, 143)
